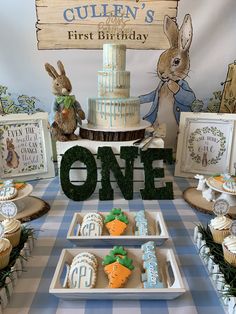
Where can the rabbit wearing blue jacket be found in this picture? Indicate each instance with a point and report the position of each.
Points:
(173, 94)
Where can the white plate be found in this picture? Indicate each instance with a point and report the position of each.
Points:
(168, 268)
(157, 229)
(22, 193)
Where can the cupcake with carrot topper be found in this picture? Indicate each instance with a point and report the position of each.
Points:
(116, 222)
(118, 267)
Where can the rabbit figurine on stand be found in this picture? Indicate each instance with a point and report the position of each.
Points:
(173, 94)
(67, 112)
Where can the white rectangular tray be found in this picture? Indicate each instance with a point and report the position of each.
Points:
(168, 267)
(156, 225)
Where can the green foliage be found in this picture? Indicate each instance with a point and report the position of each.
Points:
(197, 105)
(216, 251)
(126, 262)
(82, 192)
(150, 192)
(109, 163)
(214, 102)
(116, 213)
(118, 250)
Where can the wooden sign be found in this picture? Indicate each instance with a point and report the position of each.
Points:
(87, 24)
(228, 101)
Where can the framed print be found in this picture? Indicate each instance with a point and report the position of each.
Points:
(25, 147)
(205, 144)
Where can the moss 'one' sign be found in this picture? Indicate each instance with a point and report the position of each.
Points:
(89, 24)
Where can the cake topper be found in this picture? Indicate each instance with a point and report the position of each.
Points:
(221, 207)
(67, 112)
(8, 209)
(1, 230)
(233, 228)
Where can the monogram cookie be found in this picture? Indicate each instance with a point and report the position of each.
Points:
(82, 276)
(7, 193)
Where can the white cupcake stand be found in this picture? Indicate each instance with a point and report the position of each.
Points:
(28, 207)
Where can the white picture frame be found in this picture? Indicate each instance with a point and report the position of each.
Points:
(25, 147)
(206, 144)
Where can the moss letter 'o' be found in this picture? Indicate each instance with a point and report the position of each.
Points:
(78, 192)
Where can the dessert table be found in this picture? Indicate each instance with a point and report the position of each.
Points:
(31, 292)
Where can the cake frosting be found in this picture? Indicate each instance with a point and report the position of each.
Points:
(221, 223)
(11, 225)
(230, 243)
(114, 108)
(4, 244)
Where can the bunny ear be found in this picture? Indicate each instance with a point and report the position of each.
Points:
(61, 67)
(171, 31)
(51, 70)
(186, 33)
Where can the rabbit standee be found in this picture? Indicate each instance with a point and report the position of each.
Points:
(67, 112)
(173, 94)
(110, 164)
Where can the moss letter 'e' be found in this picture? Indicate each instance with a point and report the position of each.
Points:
(109, 162)
(81, 192)
(150, 192)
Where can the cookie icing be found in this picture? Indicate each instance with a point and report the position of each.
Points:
(221, 223)
(11, 225)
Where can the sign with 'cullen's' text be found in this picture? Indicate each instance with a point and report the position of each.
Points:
(89, 24)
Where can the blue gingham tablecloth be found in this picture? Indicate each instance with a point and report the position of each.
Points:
(31, 292)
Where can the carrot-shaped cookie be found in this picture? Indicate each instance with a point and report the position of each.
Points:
(116, 222)
(118, 267)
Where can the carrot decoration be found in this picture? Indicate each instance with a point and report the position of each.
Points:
(116, 222)
(118, 267)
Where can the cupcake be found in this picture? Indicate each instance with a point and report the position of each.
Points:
(12, 231)
(5, 251)
(229, 249)
(220, 228)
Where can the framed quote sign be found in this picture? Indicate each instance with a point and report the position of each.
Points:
(25, 146)
(206, 144)
(89, 24)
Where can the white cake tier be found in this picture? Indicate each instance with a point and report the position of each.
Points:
(114, 57)
(114, 84)
(113, 113)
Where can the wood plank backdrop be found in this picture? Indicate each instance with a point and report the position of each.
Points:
(65, 24)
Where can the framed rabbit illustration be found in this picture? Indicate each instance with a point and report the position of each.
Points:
(25, 147)
(173, 94)
(205, 144)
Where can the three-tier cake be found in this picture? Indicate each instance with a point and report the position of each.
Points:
(114, 115)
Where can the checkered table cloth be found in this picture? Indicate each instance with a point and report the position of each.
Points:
(31, 292)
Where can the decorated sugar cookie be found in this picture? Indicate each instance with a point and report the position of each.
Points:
(82, 275)
(116, 222)
(141, 224)
(150, 277)
(7, 193)
(118, 267)
(91, 228)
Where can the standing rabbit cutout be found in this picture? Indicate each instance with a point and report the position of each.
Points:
(173, 94)
(67, 112)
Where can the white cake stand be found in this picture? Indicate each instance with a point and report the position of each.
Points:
(21, 198)
(222, 193)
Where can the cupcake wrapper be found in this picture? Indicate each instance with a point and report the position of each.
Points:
(229, 256)
(219, 235)
(5, 257)
(14, 237)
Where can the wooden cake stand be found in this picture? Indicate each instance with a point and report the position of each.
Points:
(122, 134)
(28, 207)
(194, 199)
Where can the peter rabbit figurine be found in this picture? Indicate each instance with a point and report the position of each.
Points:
(67, 112)
(173, 94)
(12, 156)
